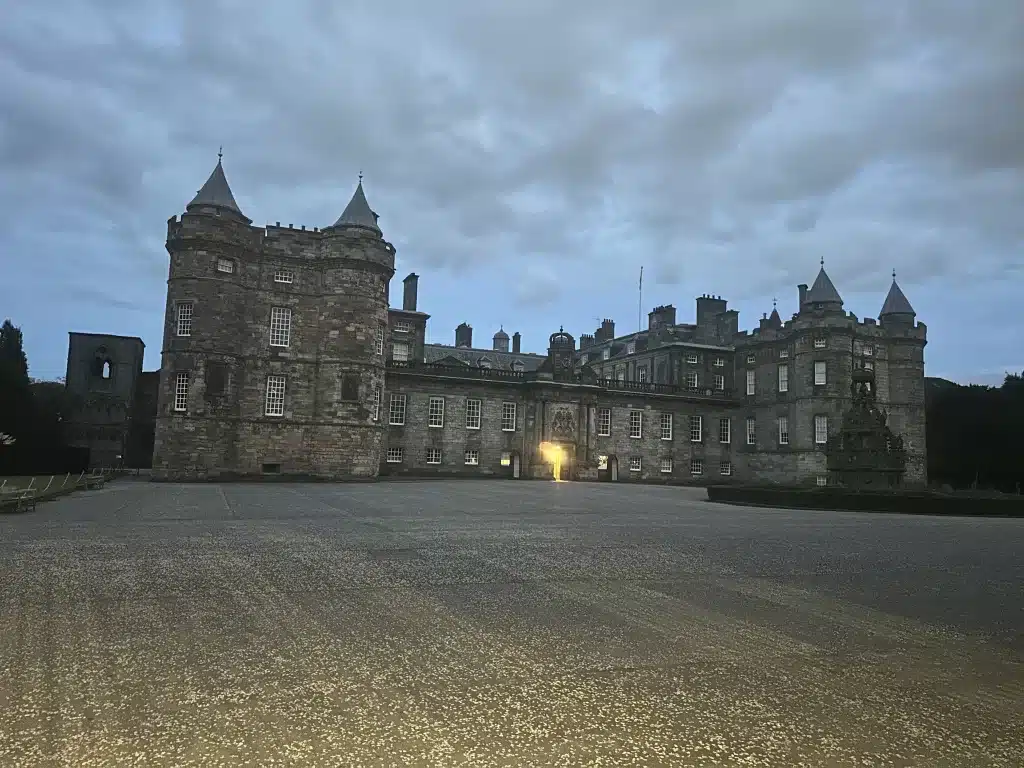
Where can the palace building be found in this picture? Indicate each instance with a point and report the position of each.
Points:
(282, 357)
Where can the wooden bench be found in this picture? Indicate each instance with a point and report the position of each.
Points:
(19, 500)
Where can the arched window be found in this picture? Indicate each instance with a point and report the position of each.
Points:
(105, 370)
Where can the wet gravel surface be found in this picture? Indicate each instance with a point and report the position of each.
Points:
(502, 624)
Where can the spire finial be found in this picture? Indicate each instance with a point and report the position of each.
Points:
(774, 303)
(220, 153)
(822, 262)
(360, 177)
(894, 274)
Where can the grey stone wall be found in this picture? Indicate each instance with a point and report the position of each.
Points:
(103, 408)
(338, 301)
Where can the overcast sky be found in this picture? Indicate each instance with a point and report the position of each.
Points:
(527, 157)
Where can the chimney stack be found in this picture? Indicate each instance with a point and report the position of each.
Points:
(464, 335)
(409, 295)
(803, 294)
(516, 342)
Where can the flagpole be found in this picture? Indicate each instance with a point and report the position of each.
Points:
(640, 303)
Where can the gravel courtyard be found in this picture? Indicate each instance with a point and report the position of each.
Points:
(497, 623)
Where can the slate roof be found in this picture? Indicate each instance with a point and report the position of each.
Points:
(217, 192)
(358, 213)
(471, 356)
(823, 291)
(896, 303)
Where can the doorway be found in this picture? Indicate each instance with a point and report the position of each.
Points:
(613, 469)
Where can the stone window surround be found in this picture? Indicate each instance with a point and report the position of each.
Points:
(666, 426)
(472, 458)
(508, 417)
(725, 468)
(435, 412)
(751, 381)
(783, 378)
(474, 409)
(719, 362)
(377, 391)
(820, 373)
(185, 313)
(400, 351)
(636, 464)
(284, 276)
(751, 430)
(181, 386)
(725, 430)
(719, 382)
(433, 456)
(604, 422)
(783, 424)
(636, 424)
(696, 467)
(396, 409)
(395, 455)
(666, 465)
(280, 326)
(226, 266)
(691, 379)
(820, 429)
(274, 401)
(696, 429)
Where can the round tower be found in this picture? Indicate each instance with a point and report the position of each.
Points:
(211, 256)
(357, 265)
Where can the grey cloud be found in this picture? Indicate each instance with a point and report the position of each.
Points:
(728, 145)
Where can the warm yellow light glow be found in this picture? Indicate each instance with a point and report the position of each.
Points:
(554, 454)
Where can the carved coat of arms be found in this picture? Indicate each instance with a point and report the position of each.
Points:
(563, 424)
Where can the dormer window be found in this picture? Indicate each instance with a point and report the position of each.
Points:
(484, 362)
(631, 348)
(518, 366)
(606, 353)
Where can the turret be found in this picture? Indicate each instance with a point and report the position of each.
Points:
(500, 341)
(896, 310)
(215, 196)
(822, 296)
(464, 335)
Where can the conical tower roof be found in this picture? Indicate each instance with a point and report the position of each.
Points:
(217, 192)
(774, 319)
(823, 291)
(896, 303)
(501, 334)
(358, 213)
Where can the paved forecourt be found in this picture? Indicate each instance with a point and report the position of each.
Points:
(501, 623)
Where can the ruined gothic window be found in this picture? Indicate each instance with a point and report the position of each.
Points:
(349, 386)
(105, 369)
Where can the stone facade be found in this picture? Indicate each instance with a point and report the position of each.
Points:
(273, 351)
(104, 375)
(282, 357)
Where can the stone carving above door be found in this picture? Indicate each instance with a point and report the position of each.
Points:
(563, 424)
